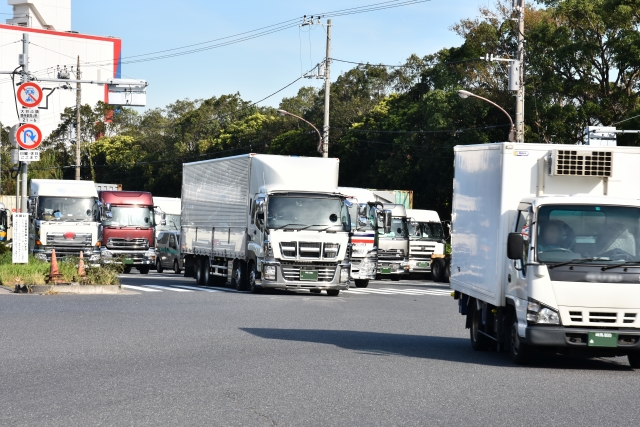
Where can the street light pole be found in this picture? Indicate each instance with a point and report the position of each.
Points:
(286, 113)
(465, 94)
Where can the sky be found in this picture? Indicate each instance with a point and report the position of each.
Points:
(258, 67)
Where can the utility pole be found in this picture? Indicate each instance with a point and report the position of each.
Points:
(520, 94)
(327, 93)
(24, 79)
(78, 121)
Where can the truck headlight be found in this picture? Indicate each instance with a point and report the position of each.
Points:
(270, 272)
(150, 256)
(344, 274)
(541, 315)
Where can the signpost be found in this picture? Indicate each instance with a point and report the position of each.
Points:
(20, 250)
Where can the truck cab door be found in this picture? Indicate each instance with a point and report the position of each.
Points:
(517, 273)
(256, 229)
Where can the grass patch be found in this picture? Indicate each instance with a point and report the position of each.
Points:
(37, 271)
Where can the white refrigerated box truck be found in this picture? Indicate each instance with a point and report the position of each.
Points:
(262, 221)
(546, 248)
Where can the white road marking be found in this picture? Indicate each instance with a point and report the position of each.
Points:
(140, 288)
(392, 291)
(193, 288)
(168, 288)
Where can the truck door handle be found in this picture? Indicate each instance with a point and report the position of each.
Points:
(509, 278)
(255, 232)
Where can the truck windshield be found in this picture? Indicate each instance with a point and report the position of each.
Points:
(589, 234)
(130, 216)
(313, 213)
(66, 208)
(425, 231)
(398, 228)
(355, 223)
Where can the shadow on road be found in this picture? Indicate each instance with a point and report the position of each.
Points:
(428, 347)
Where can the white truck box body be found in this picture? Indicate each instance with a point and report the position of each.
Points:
(489, 183)
(216, 196)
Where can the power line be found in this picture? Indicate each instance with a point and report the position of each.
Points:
(420, 131)
(399, 66)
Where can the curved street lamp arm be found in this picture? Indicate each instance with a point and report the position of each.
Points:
(309, 123)
(499, 107)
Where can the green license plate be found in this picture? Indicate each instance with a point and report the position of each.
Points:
(603, 339)
(423, 264)
(127, 261)
(309, 275)
(385, 271)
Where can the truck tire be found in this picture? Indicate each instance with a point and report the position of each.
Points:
(176, 266)
(253, 278)
(333, 292)
(159, 266)
(361, 283)
(447, 271)
(437, 270)
(479, 342)
(199, 275)
(395, 277)
(189, 270)
(520, 352)
(239, 275)
(144, 269)
(206, 272)
(634, 360)
(127, 269)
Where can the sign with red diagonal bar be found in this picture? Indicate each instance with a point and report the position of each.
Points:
(29, 94)
(28, 136)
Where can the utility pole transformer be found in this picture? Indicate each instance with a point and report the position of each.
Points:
(327, 93)
(24, 78)
(520, 65)
(78, 121)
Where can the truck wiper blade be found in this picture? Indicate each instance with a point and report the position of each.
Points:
(286, 225)
(573, 261)
(621, 265)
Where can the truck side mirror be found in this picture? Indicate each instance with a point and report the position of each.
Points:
(260, 209)
(387, 221)
(362, 210)
(163, 219)
(515, 245)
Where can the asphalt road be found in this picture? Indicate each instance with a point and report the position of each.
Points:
(161, 356)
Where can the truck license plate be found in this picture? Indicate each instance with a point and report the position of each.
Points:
(309, 275)
(127, 261)
(423, 264)
(603, 339)
(385, 270)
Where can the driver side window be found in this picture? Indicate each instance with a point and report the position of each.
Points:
(523, 227)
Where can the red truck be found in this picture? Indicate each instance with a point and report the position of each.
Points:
(127, 230)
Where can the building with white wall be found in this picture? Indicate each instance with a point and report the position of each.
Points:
(53, 44)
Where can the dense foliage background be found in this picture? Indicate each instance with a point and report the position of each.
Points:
(392, 127)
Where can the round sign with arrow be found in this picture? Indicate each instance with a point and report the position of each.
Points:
(28, 136)
(29, 94)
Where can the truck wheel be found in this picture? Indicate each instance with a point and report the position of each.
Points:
(199, 275)
(239, 278)
(360, 283)
(159, 266)
(206, 273)
(189, 270)
(333, 292)
(520, 352)
(253, 274)
(634, 360)
(144, 269)
(446, 271)
(437, 267)
(127, 269)
(176, 266)
(395, 277)
(479, 342)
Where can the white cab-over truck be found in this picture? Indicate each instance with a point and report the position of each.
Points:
(263, 221)
(546, 248)
(426, 239)
(393, 244)
(65, 217)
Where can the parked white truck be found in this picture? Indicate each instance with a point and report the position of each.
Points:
(426, 239)
(64, 216)
(393, 244)
(546, 248)
(171, 208)
(262, 221)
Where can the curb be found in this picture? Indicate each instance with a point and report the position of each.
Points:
(71, 289)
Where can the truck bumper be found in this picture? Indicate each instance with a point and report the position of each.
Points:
(363, 268)
(577, 339)
(392, 268)
(90, 253)
(420, 265)
(134, 258)
(339, 281)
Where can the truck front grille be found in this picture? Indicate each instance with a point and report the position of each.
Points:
(291, 271)
(133, 244)
(309, 250)
(423, 250)
(602, 318)
(289, 249)
(58, 239)
(391, 254)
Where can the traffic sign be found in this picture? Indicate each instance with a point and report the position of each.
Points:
(29, 115)
(29, 94)
(29, 136)
(29, 155)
